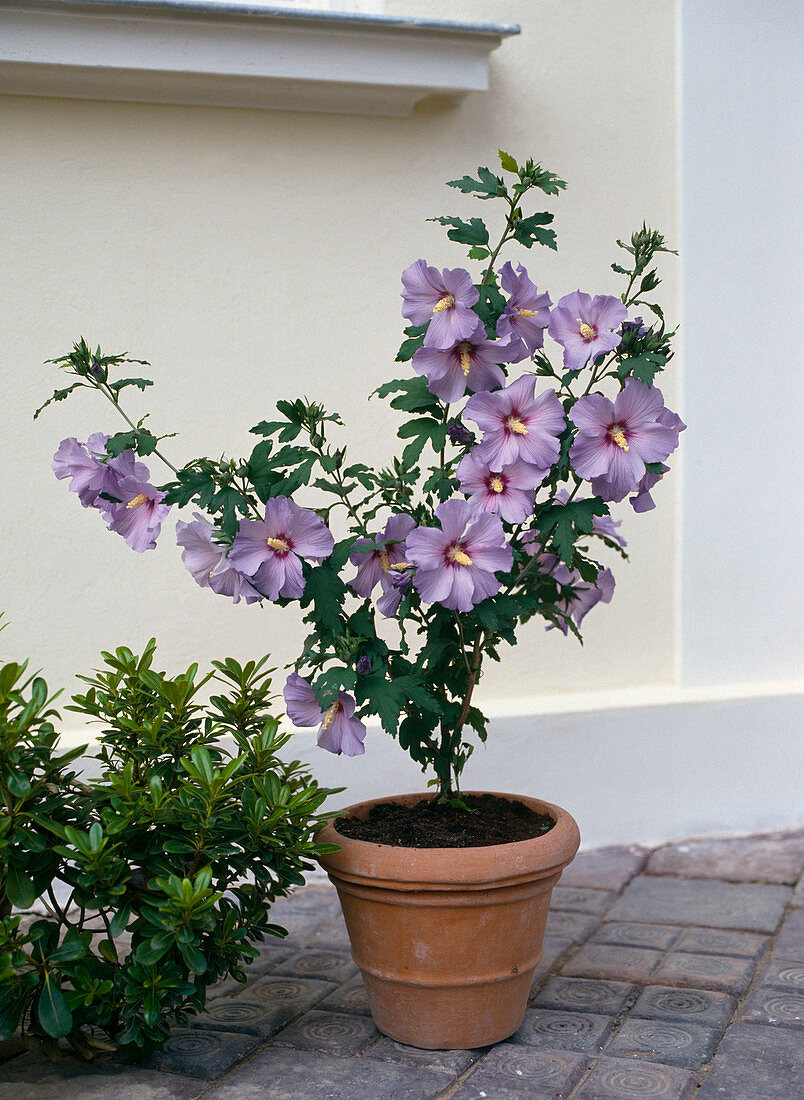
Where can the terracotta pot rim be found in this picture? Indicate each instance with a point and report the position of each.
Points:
(493, 862)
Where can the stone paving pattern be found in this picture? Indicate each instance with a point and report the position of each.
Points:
(671, 973)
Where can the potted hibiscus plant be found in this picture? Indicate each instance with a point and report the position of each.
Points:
(496, 511)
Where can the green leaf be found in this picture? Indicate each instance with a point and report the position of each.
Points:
(123, 383)
(19, 888)
(643, 367)
(527, 230)
(119, 922)
(486, 186)
(326, 591)
(54, 1015)
(477, 253)
(507, 161)
(472, 232)
(562, 519)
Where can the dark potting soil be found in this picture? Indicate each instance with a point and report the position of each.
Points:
(429, 824)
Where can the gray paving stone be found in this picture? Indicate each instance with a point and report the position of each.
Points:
(555, 1028)
(755, 908)
(605, 960)
(337, 1032)
(28, 1079)
(790, 941)
(450, 1062)
(608, 998)
(196, 1052)
(313, 897)
(247, 1015)
(582, 900)
(622, 1079)
(665, 1041)
(553, 947)
(564, 924)
(269, 957)
(319, 963)
(714, 941)
(755, 1063)
(332, 936)
(732, 975)
(695, 1006)
(280, 1073)
(605, 868)
(783, 974)
(774, 858)
(660, 937)
(298, 993)
(797, 899)
(779, 1007)
(350, 997)
(511, 1072)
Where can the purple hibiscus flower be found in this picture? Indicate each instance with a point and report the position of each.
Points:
(586, 326)
(518, 425)
(444, 299)
(339, 731)
(377, 566)
(269, 551)
(510, 491)
(456, 565)
(585, 595)
(643, 501)
(206, 560)
(527, 312)
(469, 364)
(138, 514)
(616, 439)
(91, 470)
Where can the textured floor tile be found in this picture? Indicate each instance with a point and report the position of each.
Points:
(755, 1063)
(660, 937)
(607, 998)
(783, 974)
(695, 1006)
(752, 907)
(604, 960)
(621, 1079)
(790, 941)
(298, 993)
(555, 1028)
(269, 957)
(336, 1032)
(279, 1073)
(775, 858)
(665, 1041)
(246, 1014)
(605, 868)
(350, 997)
(552, 950)
(778, 1007)
(332, 936)
(28, 1079)
(451, 1062)
(732, 975)
(798, 894)
(714, 941)
(199, 1053)
(582, 900)
(511, 1072)
(329, 966)
(564, 924)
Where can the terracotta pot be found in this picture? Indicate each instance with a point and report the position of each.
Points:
(447, 939)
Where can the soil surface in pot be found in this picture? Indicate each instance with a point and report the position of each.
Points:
(429, 824)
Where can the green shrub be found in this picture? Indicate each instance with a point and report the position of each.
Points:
(170, 858)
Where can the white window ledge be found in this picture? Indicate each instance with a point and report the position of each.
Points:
(239, 55)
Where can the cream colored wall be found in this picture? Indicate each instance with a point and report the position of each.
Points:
(254, 255)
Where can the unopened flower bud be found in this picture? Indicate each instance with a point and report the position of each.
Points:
(459, 433)
(363, 666)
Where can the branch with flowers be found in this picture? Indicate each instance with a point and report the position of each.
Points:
(495, 511)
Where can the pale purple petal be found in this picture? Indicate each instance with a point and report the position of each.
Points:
(300, 702)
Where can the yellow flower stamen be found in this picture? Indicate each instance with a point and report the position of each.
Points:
(383, 556)
(400, 565)
(526, 314)
(587, 331)
(140, 498)
(515, 425)
(458, 556)
(618, 435)
(447, 302)
(466, 362)
(331, 714)
(496, 485)
(278, 544)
